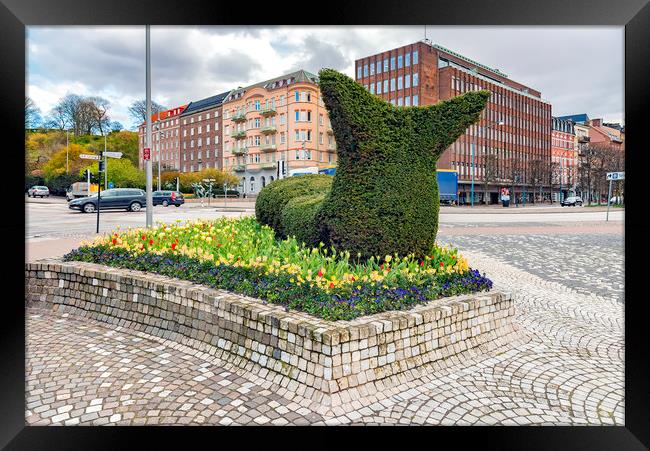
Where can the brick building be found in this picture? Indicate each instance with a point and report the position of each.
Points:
(279, 119)
(510, 146)
(165, 137)
(564, 157)
(200, 134)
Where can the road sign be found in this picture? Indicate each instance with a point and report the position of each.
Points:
(615, 175)
(110, 185)
(113, 154)
(146, 153)
(86, 156)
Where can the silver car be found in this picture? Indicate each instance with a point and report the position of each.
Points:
(40, 191)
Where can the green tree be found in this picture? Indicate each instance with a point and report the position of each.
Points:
(121, 172)
(126, 142)
(56, 166)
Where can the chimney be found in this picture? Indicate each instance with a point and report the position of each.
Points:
(597, 122)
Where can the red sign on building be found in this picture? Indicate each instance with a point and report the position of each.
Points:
(146, 153)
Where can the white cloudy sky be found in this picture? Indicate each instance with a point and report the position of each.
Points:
(578, 69)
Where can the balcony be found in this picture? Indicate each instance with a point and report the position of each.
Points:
(269, 130)
(268, 166)
(239, 168)
(240, 151)
(330, 131)
(239, 117)
(268, 111)
(583, 139)
(239, 135)
(268, 147)
(331, 147)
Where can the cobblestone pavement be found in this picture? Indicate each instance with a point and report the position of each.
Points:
(588, 263)
(568, 368)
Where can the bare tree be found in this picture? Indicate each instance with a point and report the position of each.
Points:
(138, 110)
(99, 111)
(489, 174)
(537, 175)
(32, 113)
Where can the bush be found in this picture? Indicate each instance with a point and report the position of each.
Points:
(384, 197)
(273, 197)
(299, 216)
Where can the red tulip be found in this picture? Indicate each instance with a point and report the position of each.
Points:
(150, 241)
(114, 241)
(144, 237)
(442, 264)
(331, 284)
(320, 273)
(173, 245)
(422, 263)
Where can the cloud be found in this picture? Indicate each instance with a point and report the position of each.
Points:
(578, 69)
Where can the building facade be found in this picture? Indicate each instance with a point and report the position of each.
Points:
(201, 134)
(564, 158)
(511, 144)
(282, 119)
(165, 136)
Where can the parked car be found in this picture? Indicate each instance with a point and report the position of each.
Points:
(111, 199)
(166, 198)
(572, 201)
(616, 200)
(41, 191)
(80, 189)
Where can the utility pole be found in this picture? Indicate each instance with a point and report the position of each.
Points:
(67, 145)
(105, 165)
(149, 206)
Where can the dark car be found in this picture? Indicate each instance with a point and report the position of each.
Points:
(166, 198)
(572, 201)
(130, 199)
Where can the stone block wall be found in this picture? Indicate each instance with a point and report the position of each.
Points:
(328, 362)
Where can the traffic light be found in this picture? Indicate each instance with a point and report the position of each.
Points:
(101, 166)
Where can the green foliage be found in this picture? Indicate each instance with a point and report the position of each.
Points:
(56, 165)
(121, 172)
(298, 218)
(384, 198)
(272, 199)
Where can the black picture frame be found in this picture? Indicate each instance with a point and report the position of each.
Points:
(634, 15)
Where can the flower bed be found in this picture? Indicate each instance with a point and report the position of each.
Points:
(242, 256)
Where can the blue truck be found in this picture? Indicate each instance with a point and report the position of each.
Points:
(447, 186)
(447, 183)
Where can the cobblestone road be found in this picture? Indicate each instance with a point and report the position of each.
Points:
(567, 370)
(588, 263)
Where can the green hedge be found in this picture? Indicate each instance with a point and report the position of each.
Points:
(384, 197)
(272, 199)
(298, 218)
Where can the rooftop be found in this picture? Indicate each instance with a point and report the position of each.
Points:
(464, 58)
(293, 77)
(204, 104)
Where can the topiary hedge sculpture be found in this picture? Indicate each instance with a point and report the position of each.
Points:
(384, 197)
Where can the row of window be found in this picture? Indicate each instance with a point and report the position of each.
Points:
(256, 141)
(199, 142)
(257, 105)
(200, 117)
(199, 155)
(396, 62)
(395, 84)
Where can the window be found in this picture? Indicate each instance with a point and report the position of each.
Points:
(379, 67)
(415, 79)
(283, 119)
(399, 61)
(256, 140)
(399, 101)
(207, 141)
(297, 96)
(207, 115)
(407, 101)
(415, 101)
(399, 83)
(392, 84)
(297, 137)
(282, 138)
(372, 69)
(192, 143)
(372, 88)
(320, 138)
(207, 128)
(256, 122)
(407, 59)
(407, 81)
(192, 131)
(297, 115)
(365, 70)
(320, 119)
(392, 63)
(184, 133)
(378, 87)
(359, 72)
(415, 57)
(385, 86)
(385, 64)
(200, 128)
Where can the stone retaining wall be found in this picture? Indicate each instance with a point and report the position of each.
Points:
(329, 362)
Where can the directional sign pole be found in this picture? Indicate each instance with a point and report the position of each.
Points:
(99, 191)
(147, 163)
(609, 198)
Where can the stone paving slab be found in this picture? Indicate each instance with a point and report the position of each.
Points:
(568, 369)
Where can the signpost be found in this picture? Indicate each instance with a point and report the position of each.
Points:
(86, 156)
(611, 176)
(146, 153)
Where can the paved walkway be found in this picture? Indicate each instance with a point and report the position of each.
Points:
(568, 370)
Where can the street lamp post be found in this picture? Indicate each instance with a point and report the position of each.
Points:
(149, 208)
